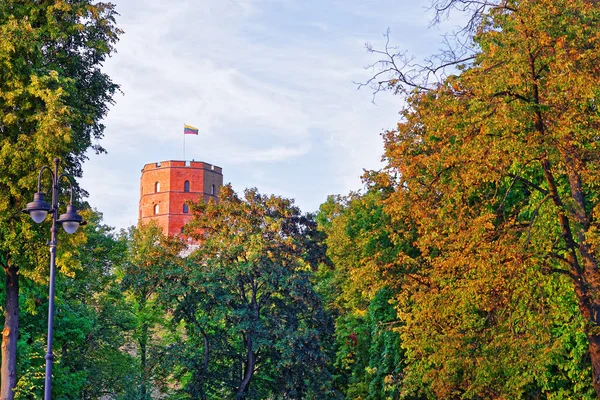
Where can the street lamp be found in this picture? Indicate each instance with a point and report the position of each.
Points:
(38, 209)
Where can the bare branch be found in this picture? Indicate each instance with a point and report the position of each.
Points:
(398, 72)
(395, 70)
(478, 10)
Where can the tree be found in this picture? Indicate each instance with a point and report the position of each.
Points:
(152, 258)
(360, 290)
(498, 169)
(246, 298)
(92, 326)
(93, 321)
(53, 96)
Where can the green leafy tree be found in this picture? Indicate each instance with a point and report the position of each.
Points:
(360, 289)
(94, 322)
(152, 259)
(496, 168)
(92, 325)
(247, 301)
(52, 98)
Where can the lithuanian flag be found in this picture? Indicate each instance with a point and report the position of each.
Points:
(189, 130)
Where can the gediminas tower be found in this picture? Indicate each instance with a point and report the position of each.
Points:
(166, 186)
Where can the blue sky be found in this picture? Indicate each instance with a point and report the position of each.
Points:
(269, 83)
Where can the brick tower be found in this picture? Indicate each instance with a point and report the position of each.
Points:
(166, 186)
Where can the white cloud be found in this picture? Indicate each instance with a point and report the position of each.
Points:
(273, 154)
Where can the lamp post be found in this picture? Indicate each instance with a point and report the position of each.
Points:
(38, 209)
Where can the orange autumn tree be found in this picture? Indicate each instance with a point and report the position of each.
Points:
(498, 169)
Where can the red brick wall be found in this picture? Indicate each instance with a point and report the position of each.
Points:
(170, 199)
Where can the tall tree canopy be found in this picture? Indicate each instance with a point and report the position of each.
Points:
(497, 170)
(153, 258)
(53, 96)
(92, 326)
(360, 289)
(246, 297)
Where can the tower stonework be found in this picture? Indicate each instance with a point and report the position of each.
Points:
(166, 186)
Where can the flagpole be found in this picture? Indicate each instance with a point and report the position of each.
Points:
(188, 129)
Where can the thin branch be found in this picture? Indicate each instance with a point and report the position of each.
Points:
(399, 73)
(419, 280)
(514, 95)
(558, 257)
(477, 8)
(529, 183)
(533, 215)
(501, 205)
(396, 71)
(450, 64)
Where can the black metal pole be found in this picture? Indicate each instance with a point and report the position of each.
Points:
(53, 236)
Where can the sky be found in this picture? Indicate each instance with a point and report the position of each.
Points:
(271, 85)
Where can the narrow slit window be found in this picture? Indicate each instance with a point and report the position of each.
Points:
(212, 189)
(186, 186)
(155, 209)
(186, 209)
(157, 187)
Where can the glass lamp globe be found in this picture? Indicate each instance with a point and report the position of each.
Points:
(37, 209)
(70, 226)
(70, 220)
(38, 216)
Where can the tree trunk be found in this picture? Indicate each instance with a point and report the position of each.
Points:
(587, 289)
(143, 343)
(248, 370)
(583, 265)
(206, 352)
(8, 373)
(589, 304)
(588, 258)
(584, 273)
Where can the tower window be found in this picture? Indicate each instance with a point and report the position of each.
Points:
(212, 189)
(186, 186)
(155, 209)
(182, 229)
(186, 209)
(157, 187)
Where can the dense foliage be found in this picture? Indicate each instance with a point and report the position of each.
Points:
(246, 298)
(368, 357)
(93, 324)
(496, 170)
(151, 260)
(53, 96)
(489, 226)
(467, 268)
